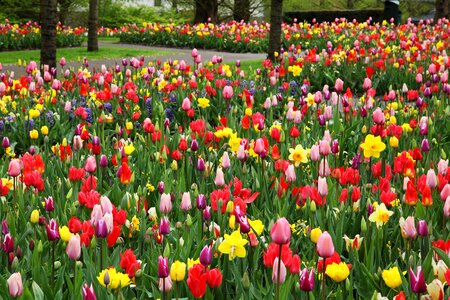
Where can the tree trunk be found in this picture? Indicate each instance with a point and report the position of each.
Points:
(276, 15)
(206, 11)
(442, 9)
(48, 33)
(93, 26)
(64, 8)
(241, 10)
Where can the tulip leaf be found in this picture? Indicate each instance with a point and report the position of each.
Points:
(37, 291)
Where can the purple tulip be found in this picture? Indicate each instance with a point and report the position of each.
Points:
(164, 226)
(307, 280)
(201, 201)
(101, 230)
(422, 228)
(417, 280)
(206, 256)
(52, 230)
(163, 267)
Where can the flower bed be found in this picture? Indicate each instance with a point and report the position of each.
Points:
(27, 36)
(158, 180)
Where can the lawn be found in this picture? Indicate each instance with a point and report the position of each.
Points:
(77, 54)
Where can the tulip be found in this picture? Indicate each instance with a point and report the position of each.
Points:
(15, 286)
(325, 246)
(103, 161)
(88, 292)
(201, 201)
(436, 290)
(339, 85)
(447, 207)
(14, 168)
(225, 160)
(91, 164)
(367, 84)
(417, 281)
(165, 203)
(227, 92)
(194, 145)
(5, 228)
(201, 165)
(206, 256)
(73, 248)
(101, 230)
(408, 228)
(378, 116)
(8, 243)
(445, 192)
(422, 228)
(165, 284)
(5, 142)
(186, 202)
(290, 173)
(52, 231)
(307, 280)
(392, 277)
(178, 271)
(335, 147)
(49, 204)
(281, 232)
(440, 270)
(207, 213)
(259, 146)
(443, 167)
(241, 218)
(425, 146)
(279, 271)
(163, 267)
(315, 153)
(431, 179)
(322, 186)
(219, 180)
(164, 226)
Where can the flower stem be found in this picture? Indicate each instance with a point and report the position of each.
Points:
(101, 254)
(323, 279)
(53, 260)
(277, 291)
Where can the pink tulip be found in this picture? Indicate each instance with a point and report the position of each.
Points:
(445, 193)
(227, 92)
(315, 153)
(225, 160)
(194, 53)
(378, 116)
(431, 179)
(324, 147)
(14, 168)
(408, 228)
(219, 180)
(339, 85)
(324, 168)
(106, 204)
(165, 203)
(96, 214)
(165, 284)
(91, 164)
(367, 84)
(62, 61)
(259, 146)
(447, 208)
(325, 246)
(290, 173)
(281, 232)
(186, 203)
(15, 285)
(443, 167)
(282, 274)
(322, 186)
(73, 248)
(186, 104)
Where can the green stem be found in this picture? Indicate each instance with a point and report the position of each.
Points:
(101, 254)
(277, 291)
(323, 278)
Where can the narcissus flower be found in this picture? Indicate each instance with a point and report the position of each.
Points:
(381, 215)
(203, 102)
(337, 272)
(233, 245)
(373, 146)
(298, 155)
(392, 277)
(116, 279)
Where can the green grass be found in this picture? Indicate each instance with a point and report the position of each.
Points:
(77, 54)
(108, 40)
(250, 65)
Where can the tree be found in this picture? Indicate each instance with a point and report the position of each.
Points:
(276, 15)
(206, 9)
(442, 9)
(241, 10)
(93, 26)
(48, 33)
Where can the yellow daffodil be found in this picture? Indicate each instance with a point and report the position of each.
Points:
(116, 279)
(192, 262)
(233, 245)
(381, 215)
(392, 277)
(337, 272)
(257, 226)
(203, 102)
(177, 271)
(373, 146)
(298, 155)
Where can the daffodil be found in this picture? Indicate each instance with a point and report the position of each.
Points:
(192, 262)
(392, 277)
(381, 215)
(203, 102)
(233, 245)
(257, 226)
(116, 279)
(373, 146)
(298, 155)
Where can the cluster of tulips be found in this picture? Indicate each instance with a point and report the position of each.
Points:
(200, 179)
(27, 36)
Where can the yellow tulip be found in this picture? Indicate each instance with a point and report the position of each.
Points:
(392, 277)
(337, 272)
(34, 134)
(315, 233)
(178, 271)
(34, 218)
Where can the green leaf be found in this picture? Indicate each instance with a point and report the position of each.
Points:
(443, 256)
(37, 291)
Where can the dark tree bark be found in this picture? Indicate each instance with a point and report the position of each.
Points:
(276, 16)
(206, 9)
(442, 9)
(64, 8)
(48, 33)
(241, 10)
(93, 26)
